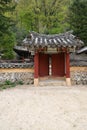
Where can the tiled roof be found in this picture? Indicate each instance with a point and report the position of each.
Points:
(16, 65)
(22, 51)
(58, 40)
(82, 50)
(78, 59)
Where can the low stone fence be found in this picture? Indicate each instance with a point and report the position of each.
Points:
(78, 75)
(15, 72)
(16, 65)
(24, 72)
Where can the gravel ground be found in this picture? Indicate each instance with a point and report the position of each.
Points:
(43, 108)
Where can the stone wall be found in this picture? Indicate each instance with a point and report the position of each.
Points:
(16, 65)
(26, 75)
(15, 75)
(78, 75)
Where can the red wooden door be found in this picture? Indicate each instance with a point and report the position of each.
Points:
(44, 65)
(58, 65)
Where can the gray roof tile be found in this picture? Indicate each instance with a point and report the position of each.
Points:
(64, 39)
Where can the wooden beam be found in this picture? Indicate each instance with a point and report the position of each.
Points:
(67, 65)
(36, 65)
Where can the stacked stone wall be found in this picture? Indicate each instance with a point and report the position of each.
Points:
(78, 75)
(26, 75)
(15, 75)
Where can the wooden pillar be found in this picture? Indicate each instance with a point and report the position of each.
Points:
(68, 82)
(36, 69)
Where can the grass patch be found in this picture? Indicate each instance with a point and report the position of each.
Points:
(9, 84)
(20, 83)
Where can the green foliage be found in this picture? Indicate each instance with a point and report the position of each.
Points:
(20, 82)
(19, 34)
(44, 16)
(7, 46)
(6, 6)
(10, 84)
(7, 84)
(7, 39)
(78, 18)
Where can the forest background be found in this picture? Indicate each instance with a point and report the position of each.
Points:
(18, 17)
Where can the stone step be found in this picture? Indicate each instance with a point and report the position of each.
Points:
(52, 83)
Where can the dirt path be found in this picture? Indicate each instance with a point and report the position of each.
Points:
(43, 108)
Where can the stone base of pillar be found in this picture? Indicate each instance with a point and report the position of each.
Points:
(36, 82)
(68, 82)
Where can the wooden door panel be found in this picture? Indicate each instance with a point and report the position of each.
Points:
(58, 65)
(44, 65)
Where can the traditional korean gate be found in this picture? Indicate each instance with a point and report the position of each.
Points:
(43, 65)
(58, 65)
